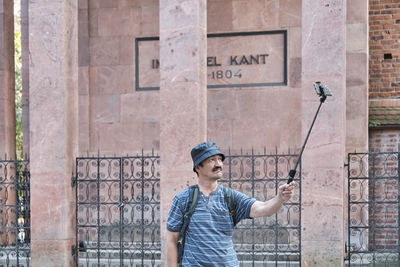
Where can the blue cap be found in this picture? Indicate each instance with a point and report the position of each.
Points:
(203, 151)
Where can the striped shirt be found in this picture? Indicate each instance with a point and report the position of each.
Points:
(209, 236)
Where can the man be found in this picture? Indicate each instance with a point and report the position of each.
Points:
(209, 237)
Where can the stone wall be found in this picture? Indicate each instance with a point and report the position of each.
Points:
(258, 116)
(115, 118)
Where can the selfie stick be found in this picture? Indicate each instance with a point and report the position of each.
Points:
(322, 91)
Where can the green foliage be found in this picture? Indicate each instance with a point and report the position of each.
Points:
(18, 78)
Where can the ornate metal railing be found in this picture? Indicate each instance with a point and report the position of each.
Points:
(118, 216)
(118, 211)
(373, 209)
(14, 213)
(268, 241)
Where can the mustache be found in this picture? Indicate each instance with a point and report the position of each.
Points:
(216, 169)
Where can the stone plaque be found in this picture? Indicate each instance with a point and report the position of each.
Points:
(247, 59)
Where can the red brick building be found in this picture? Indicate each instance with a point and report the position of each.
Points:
(384, 115)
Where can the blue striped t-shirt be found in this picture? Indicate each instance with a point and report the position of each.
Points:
(209, 236)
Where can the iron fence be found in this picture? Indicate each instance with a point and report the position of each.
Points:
(118, 211)
(373, 209)
(14, 213)
(267, 241)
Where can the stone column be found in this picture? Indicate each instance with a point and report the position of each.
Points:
(357, 76)
(7, 122)
(7, 90)
(183, 96)
(53, 74)
(25, 74)
(323, 198)
(83, 80)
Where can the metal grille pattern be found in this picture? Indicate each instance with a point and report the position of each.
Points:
(118, 217)
(118, 211)
(268, 241)
(373, 209)
(14, 213)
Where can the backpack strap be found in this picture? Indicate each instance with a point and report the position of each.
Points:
(191, 206)
(230, 201)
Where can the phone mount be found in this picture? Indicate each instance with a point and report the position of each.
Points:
(323, 92)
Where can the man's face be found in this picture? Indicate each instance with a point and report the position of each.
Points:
(211, 167)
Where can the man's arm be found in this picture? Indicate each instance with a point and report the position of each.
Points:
(270, 207)
(172, 248)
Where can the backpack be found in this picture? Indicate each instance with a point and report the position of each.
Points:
(229, 197)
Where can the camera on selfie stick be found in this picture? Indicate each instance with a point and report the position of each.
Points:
(322, 91)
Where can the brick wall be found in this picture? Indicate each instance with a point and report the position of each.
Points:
(384, 83)
(383, 189)
(384, 140)
(384, 49)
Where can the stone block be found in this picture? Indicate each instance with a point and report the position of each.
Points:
(140, 106)
(219, 16)
(127, 3)
(319, 42)
(123, 139)
(149, 17)
(83, 4)
(93, 22)
(126, 51)
(357, 74)
(2, 41)
(289, 13)
(126, 137)
(357, 38)
(294, 79)
(83, 81)
(103, 51)
(357, 11)
(357, 102)
(94, 4)
(183, 14)
(52, 253)
(255, 20)
(359, 137)
(107, 3)
(151, 136)
(221, 132)
(83, 23)
(184, 41)
(105, 109)
(53, 205)
(330, 253)
(83, 47)
(270, 13)
(239, 113)
(294, 38)
(84, 123)
(111, 80)
(330, 224)
(117, 22)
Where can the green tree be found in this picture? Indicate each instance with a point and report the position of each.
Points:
(18, 78)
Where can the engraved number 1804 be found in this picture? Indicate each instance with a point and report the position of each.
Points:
(227, 74)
